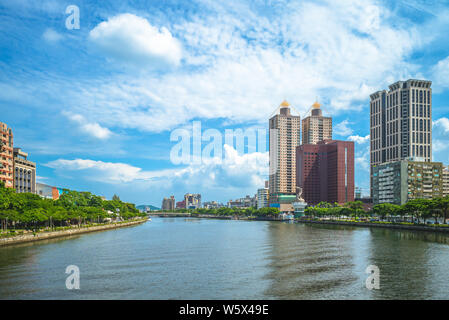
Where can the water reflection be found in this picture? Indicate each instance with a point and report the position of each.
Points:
(187, 258)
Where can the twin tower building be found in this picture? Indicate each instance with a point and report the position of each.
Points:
(401, 167)
(321, 166)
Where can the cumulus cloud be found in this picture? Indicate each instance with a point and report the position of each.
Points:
(359, 139)
(133, 40)
(51, 35)
(91, 128)
(440, 135)
(442, 123)
(441, 74)
(242, 69)
(239, 171)
(343, 128)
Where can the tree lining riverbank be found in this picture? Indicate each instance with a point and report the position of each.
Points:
(45, 235)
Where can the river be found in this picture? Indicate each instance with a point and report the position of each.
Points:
(188, 258)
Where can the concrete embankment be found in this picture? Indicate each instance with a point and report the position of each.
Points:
(65, 233)
(379, 225)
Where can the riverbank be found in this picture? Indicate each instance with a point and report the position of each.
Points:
(64, 233)
(210, 216)
(378, 225)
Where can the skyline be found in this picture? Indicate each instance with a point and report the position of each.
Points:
(98, 122)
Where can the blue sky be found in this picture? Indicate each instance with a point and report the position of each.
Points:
(95, 106)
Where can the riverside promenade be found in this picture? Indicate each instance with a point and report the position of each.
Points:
(64, 233)
(378, 225)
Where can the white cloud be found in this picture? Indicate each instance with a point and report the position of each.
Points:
(442, 123)
(91, 128)
(242, 69)
(51, 35)
(239, 171)
(359, 139)
(133, 40)
(441, 74)
(343, 128)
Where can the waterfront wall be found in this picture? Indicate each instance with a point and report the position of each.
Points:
(64, 233)
(379, 225)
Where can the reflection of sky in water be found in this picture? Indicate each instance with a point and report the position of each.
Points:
(178, 258)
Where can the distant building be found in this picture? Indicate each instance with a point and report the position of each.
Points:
(212, 205)
(325, 171)
(49, 192)
(446, 181)
(192, 200)
(243, 203)
(401, 123)
(263, 198)
(181, 204)
(284, 138)
(358, 193)
(24, 172)
(315, 127)
(401, 181)
(6, 156)
(168, 203)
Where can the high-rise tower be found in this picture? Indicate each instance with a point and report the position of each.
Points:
(315, 127)
(284, 138)
(401, 123)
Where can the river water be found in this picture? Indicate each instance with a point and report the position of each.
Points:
(187, 258)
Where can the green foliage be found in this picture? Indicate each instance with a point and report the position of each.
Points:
(29, 211)
(418, 209)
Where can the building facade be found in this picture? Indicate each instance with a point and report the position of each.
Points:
(446, 181)
(243, 203)
(181, 204)
(284, 138)
(192, 200)
(168, 203)
(263, 196)
(49, 192)
(212, 205)
(325, 171)
(401, 123)
(401, 181)
(6, 156)
(24, 172)
(315, 127)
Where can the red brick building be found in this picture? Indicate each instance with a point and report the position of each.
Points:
(325, 171)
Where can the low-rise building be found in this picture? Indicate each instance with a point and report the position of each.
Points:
(401, 181)
(24, 172)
